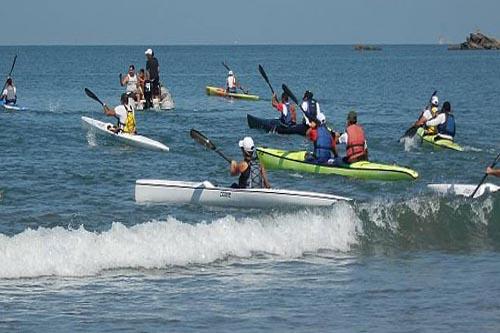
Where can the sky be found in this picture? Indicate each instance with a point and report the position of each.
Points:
(174, 22)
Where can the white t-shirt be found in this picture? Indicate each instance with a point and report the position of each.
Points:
(344, 137)
(440, 119)
(12, 93)
(231, 82)
(121, 113)
(132, 83)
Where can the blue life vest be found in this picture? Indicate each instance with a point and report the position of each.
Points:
(448, 127)
(312, 110)
(323, 144)
(287, 120)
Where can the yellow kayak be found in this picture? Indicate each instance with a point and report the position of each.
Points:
(214, 91)
(445, 143)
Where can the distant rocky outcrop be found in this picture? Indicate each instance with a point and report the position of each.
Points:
(361, 47)
(477, 41)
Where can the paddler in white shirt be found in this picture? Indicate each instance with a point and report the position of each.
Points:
(9, 93)
(124, 113)
(131, 82)
(231, 83)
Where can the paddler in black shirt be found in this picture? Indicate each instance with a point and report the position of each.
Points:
(153, 69)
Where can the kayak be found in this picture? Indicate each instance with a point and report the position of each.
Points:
(295, 160)
(131, 139)
(12, 107)
(214, 91)
(439, 142)
(464, 189)
(205, 193)
(276, 126)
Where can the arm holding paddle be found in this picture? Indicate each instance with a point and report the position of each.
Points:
(493, 172)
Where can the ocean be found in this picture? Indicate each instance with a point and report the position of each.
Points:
(78, 254)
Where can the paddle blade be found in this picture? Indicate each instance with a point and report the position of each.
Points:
(226, 66)
(201, 139)
(290, 93)
(93, 96)
(410, 132)
(13, 64)
(264, 75)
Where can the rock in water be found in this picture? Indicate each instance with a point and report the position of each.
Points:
(477, 41)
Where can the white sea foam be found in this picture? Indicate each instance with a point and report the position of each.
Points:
(410, 143)
(91, 138)
(157, 244)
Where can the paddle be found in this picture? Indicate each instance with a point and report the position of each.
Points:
(204, 141)
(264, 75)
(93, 96)
(239, 86)
(294, 99)
(410, 132)
(485, 176)
(10, 73)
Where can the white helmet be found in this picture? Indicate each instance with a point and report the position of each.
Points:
(321, 117)
(230, 73)
(149, 52)
(247, 144)
(435, 100)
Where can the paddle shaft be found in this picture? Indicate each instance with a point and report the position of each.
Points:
(10, 73)
(264, 75)
(207, 143)
(485, 176)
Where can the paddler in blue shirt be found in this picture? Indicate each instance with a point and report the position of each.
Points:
(444, 122)
(251, 173)
(324, 142)
(310, 106)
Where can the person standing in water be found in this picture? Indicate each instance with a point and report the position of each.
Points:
(153, 68)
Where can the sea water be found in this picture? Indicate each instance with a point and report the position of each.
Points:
(77, 253)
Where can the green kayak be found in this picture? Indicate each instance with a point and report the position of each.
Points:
(214, 91)
(295, 160)
(440, 142)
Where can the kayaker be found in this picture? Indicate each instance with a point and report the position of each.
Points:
(252, 173)
(493, 172)
(124, 113)
(231, 83)
(444, 122)
(354, 139)
(153, 69)
(10, 92)
(324, 142)
(288, 116)
(131, 82)
(429, 113)
(310, 106)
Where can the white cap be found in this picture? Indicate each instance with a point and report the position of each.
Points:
(230, 73)
(435, 100)
(321, 117)
(149, 51)
(247, 144)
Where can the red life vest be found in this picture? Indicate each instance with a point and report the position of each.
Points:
(355, 148)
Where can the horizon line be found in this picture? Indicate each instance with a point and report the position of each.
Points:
(236, 44)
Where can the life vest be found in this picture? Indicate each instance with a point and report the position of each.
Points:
(323, 144)
(251, 177)
(312, 109)
(132, 83)
(432, 130)
(129, 126)
(355, 148)
(448, 127)
(286, 115)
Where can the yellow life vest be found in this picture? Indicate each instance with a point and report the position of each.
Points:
(432, 130)
(129, 126)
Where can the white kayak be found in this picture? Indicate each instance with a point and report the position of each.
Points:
(131, 139)
(205, 193)
(464, 189)
(12, 107)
